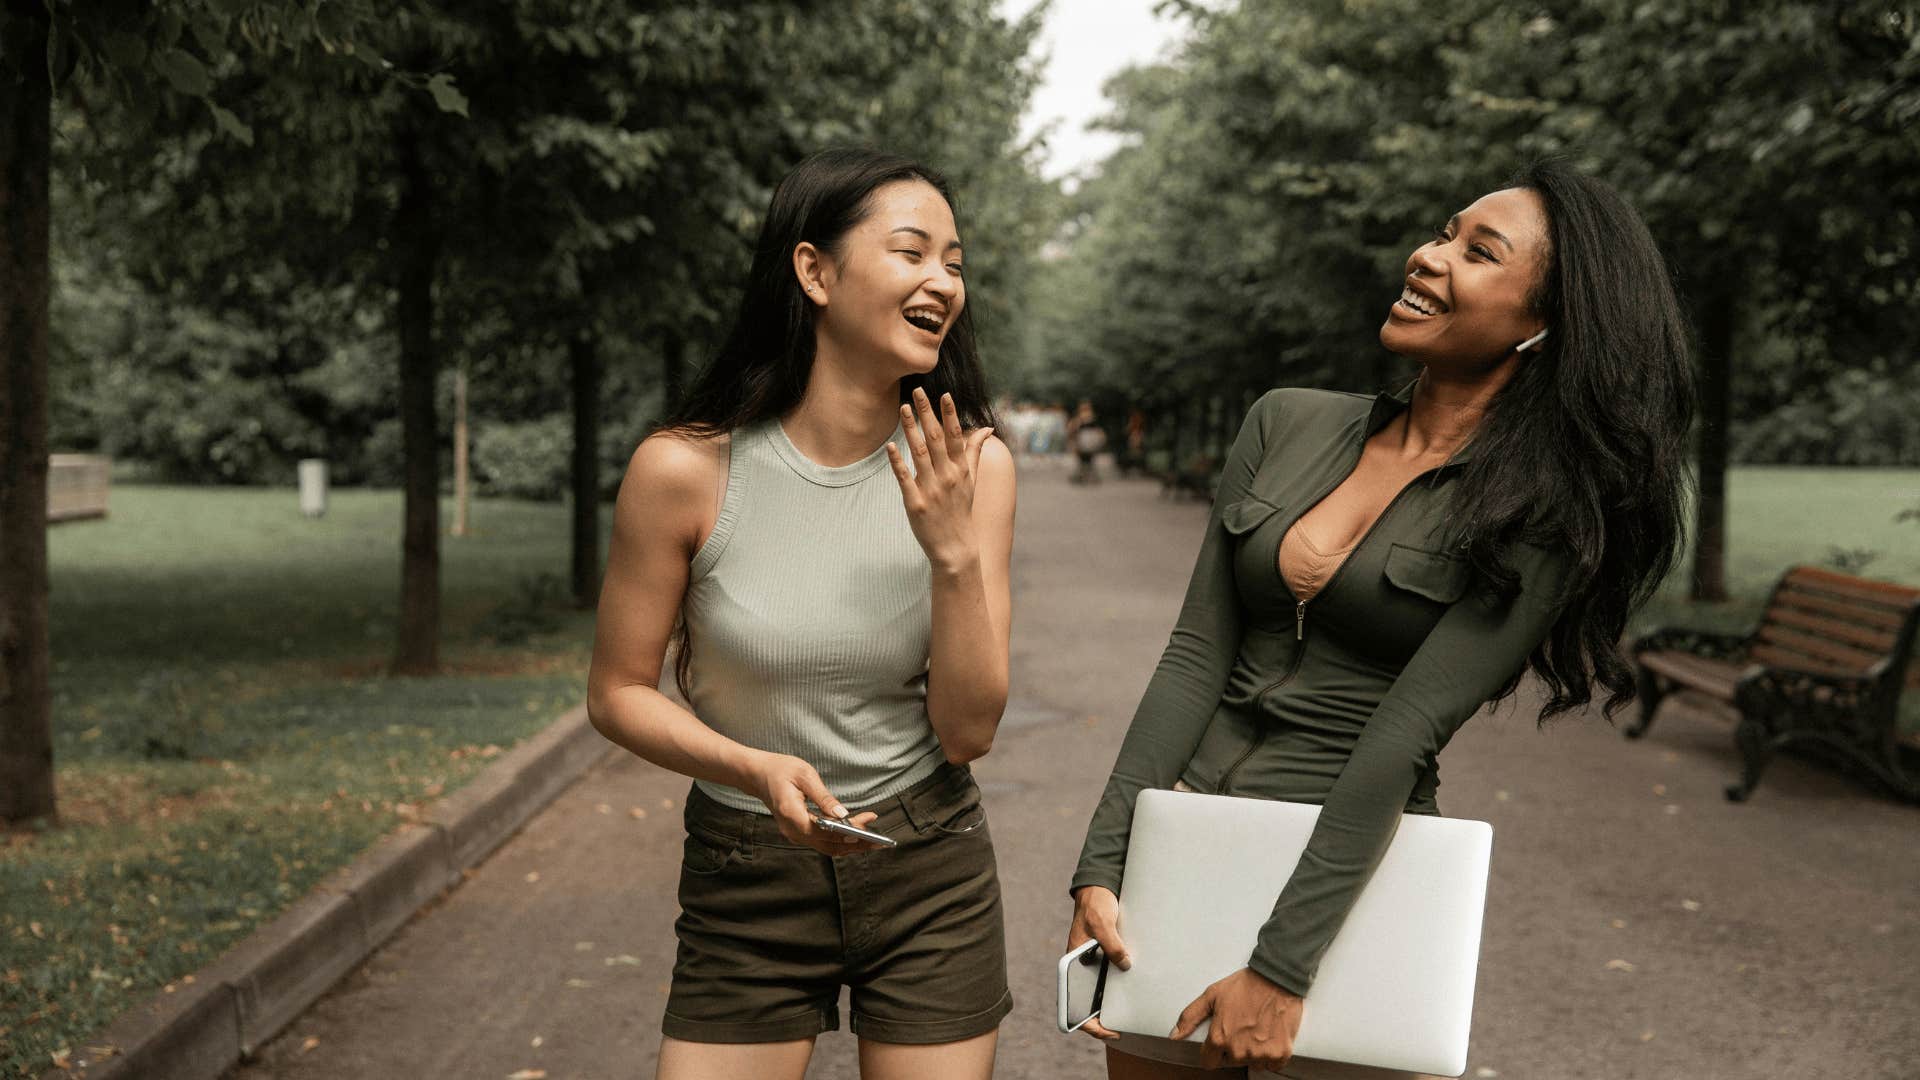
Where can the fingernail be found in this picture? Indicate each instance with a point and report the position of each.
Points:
(838, 811)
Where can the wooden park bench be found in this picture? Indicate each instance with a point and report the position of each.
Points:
(1823, 669)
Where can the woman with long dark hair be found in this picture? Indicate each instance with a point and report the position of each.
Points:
(826, 527)
(1378, 568)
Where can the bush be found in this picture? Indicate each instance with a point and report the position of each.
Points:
(1857, 418)
(527, 460)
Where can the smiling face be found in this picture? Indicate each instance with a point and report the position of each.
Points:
(891, 289)
(1465, 297)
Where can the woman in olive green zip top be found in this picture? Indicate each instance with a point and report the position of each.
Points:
(1376, 569)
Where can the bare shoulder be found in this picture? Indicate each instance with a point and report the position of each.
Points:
(673, 487)
(993, 481)
(996, 462)
(674, 463)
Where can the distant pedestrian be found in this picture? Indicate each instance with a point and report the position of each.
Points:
(1087, 438)
(1378, 568)
(842, 641)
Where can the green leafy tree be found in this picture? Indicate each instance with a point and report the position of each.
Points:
(145, 59)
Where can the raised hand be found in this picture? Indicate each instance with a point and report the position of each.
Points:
(938, 490)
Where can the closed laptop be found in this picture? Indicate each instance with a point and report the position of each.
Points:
(1394, 989)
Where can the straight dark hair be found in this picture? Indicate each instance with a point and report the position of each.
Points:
(1586, 447)
(761, 371)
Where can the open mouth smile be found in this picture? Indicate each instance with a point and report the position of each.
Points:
(926, 319)
(1419, 303)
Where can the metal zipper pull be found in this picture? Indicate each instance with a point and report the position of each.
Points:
(1300, 621)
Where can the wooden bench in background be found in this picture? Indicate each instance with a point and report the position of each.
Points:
(77, 486)
(1823, 668)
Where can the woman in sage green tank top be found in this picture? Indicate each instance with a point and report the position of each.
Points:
(1378, 568)
(826, 528)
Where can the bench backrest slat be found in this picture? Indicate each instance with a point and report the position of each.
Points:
(1874, 617)
(1873, 639)
(1870, 593)
(1827, 651)
(1830, 623)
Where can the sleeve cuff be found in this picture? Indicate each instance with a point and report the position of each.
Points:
(1104, 878)
(1290, 981)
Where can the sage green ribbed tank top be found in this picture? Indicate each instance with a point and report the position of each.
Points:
(810, 610)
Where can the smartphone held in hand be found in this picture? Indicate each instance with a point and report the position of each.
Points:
(844, 829)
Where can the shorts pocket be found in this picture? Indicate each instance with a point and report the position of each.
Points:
(969, 818)
(705, 854)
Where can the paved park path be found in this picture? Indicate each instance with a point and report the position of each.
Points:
(1638, 925)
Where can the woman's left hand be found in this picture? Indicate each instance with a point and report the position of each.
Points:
(1254, 1022)
(938, 490)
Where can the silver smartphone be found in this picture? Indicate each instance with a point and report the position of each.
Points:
(1083, 982)
(835, 826)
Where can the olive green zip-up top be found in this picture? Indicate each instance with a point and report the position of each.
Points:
(1344, 700)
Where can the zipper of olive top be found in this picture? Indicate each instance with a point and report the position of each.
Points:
(1300, 607)
(1300, 619)
(1260, 733)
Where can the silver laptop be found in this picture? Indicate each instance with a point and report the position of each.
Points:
(1394, 990)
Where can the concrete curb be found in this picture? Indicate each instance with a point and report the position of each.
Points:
(204, 1023)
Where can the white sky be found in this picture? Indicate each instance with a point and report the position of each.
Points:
(1084, 42)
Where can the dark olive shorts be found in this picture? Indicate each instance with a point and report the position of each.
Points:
(770, 931)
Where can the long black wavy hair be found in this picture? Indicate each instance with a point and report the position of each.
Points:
(1586, 447)
(761, 371)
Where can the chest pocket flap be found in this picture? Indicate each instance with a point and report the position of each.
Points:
(1432, 574)
(1246, 515)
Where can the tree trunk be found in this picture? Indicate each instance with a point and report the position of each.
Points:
(26, 720)
(1716, 396)
(416, 249)
(460, 452)
(583, 354)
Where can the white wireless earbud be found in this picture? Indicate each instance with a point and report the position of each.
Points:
(1531, 342)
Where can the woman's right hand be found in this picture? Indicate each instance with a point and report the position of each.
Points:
(787, 784)
(1096, 915)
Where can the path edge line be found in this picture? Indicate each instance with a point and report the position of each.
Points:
(206, 1022)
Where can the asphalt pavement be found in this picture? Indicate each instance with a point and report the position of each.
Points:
(1638, 924)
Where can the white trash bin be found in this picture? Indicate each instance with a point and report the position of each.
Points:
(313, 487)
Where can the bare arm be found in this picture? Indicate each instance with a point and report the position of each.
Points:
(961, 501)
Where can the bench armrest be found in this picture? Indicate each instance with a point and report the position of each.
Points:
(1707, 643)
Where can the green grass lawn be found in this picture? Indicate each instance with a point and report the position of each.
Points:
(1779, 516)
(225, 734)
